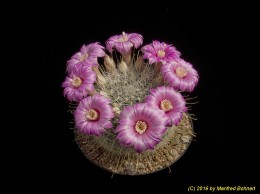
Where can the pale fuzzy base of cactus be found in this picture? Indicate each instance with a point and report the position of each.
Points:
(107, 153)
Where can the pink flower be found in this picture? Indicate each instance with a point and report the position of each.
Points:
(160, 52)
(79, 83)
(87, 55)
(124, 43)
(93, 114)
(141, 126)
(180, 75)
(171, 102)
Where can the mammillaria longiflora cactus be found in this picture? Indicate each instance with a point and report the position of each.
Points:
(127, 100)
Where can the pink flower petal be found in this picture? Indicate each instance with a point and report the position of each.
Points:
(136, 39)
(151, 52)
(149, 142)
(186, 83)
(124, 43)
(87, 78)
(127, 137)
(156, 46)
(88, 55)
(154, 121)
(173, 97)
(139, 144)
(105, 114)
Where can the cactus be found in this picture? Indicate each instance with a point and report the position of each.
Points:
(125, 81)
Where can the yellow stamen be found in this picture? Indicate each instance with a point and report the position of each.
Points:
(140, 127)
(83, 57)
(92, 115)
(76, 82)
(181, 72)
(166, 105)
(124, 38)
(160, 53)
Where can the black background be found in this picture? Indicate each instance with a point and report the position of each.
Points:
(213, 37)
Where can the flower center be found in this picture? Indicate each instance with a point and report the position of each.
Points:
(76, 82)
(140, 127)
(83, 57)
(181, 72)
(92, 115)
(160, 53)
(124, 38)
(166, 105)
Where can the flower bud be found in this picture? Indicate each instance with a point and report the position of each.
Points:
(123, 67)
(109, 64)
(127, 57)
(139, 63)
(101, 81)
